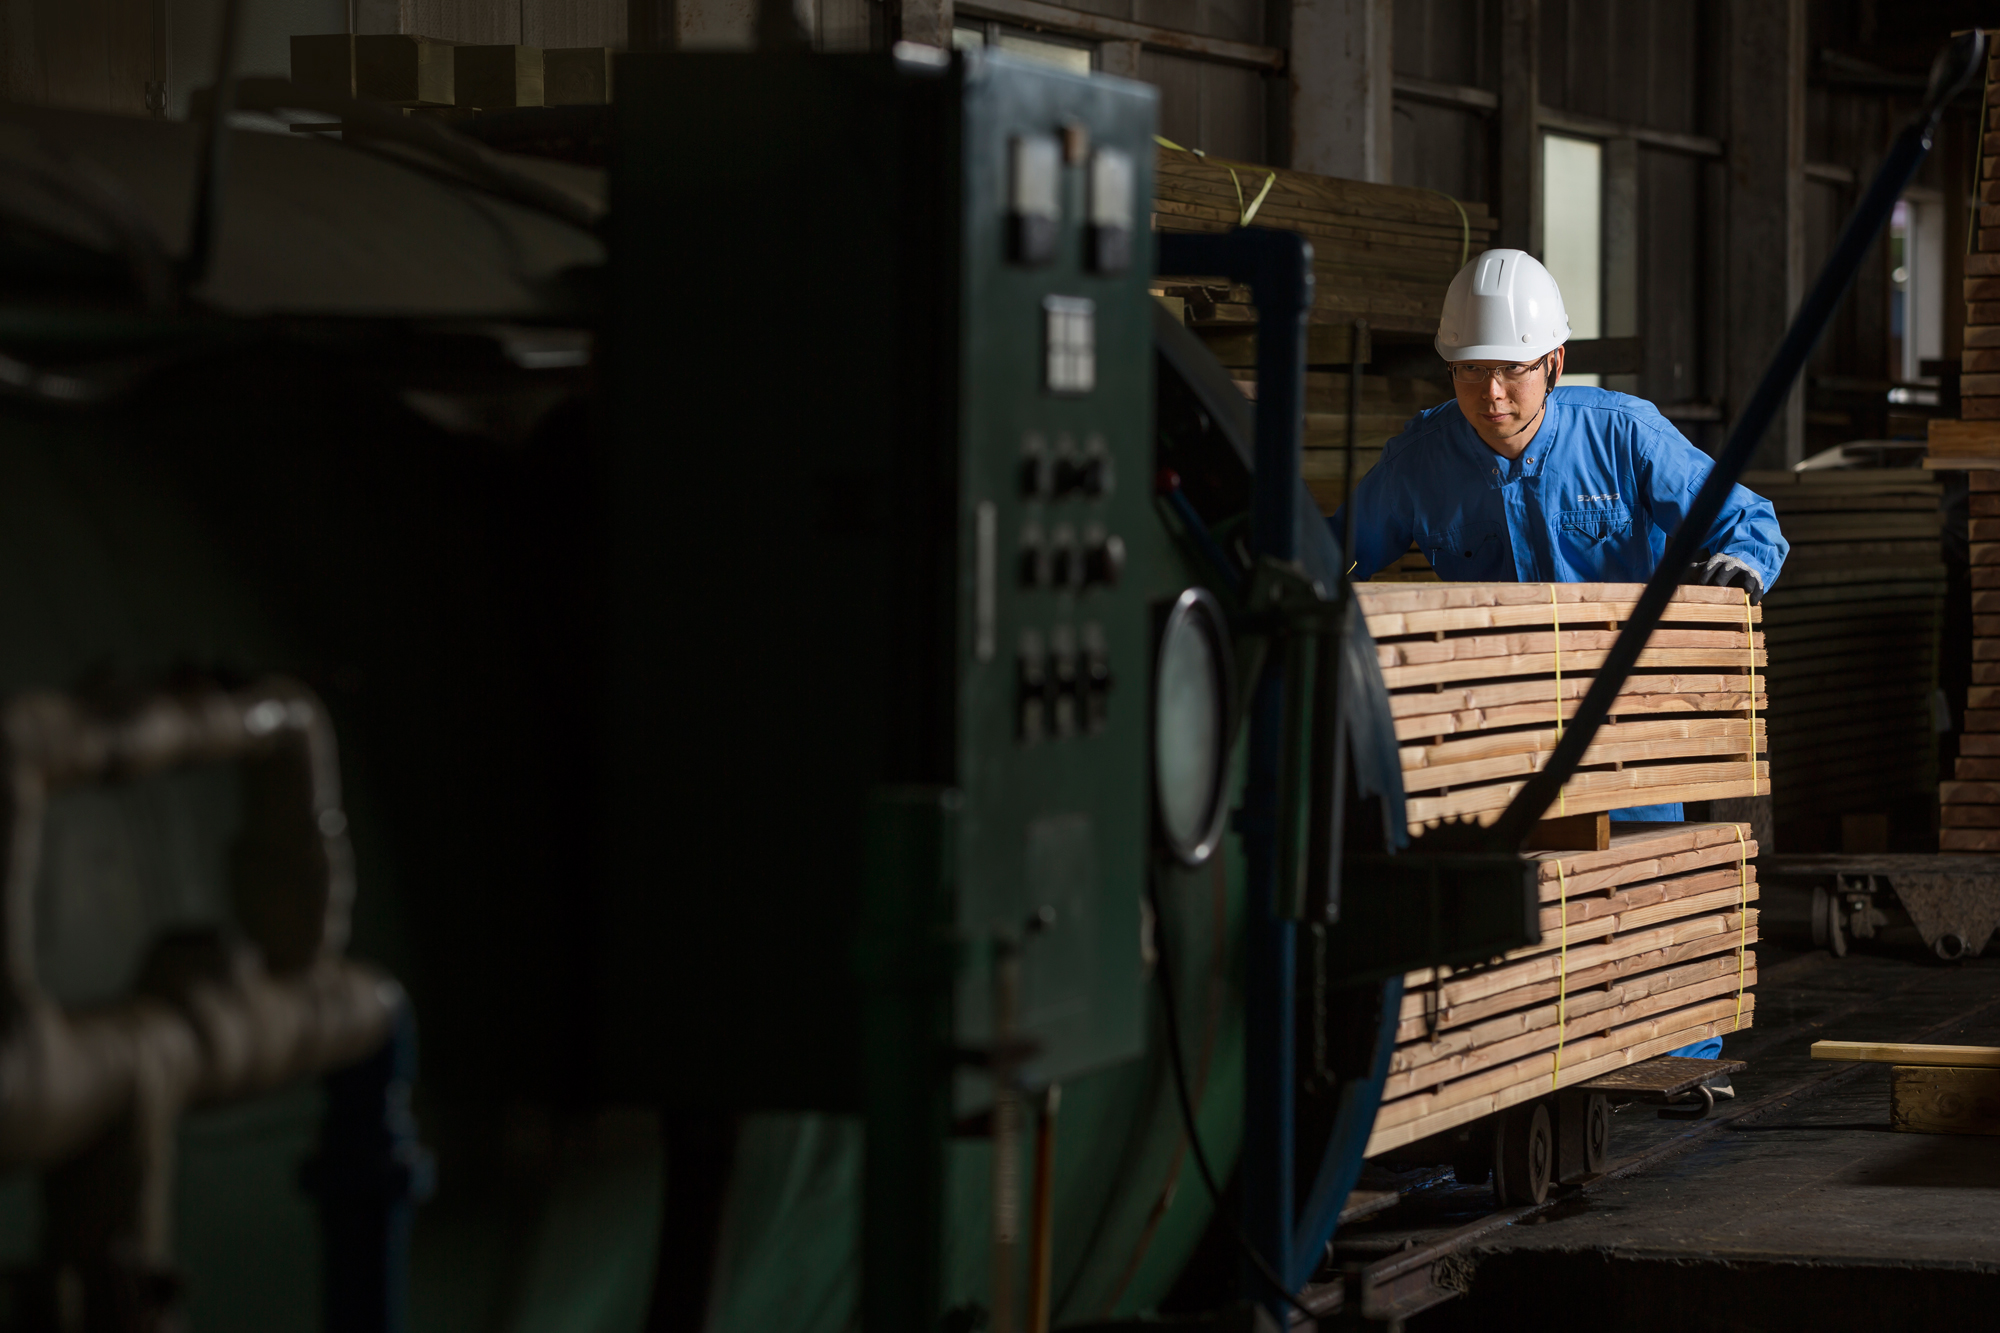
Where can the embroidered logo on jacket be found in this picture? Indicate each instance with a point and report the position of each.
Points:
(1598, 499)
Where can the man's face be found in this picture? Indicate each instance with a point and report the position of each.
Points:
(1504, 400)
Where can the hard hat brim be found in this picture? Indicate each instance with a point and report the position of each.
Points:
(1513, 353)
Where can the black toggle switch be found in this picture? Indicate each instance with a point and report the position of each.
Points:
(1103, 559)
(1096, 680)
(1034, 558)
(1065, 561)
(1037, 469)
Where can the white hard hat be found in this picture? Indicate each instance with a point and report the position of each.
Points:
(1503, 306)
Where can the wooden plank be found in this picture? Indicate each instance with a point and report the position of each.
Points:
(1538, 1084)
(1934, 1100)
(1581, 1061)
(1577, 833)
(1383, 625)
(1969, 839)
(1385, 600)
(1908, 1053)
(1480, 647)
(1559, 874)
(1424, 1012)
(1634, 906)
(1505, 693)
(1590, 791)
(1624, 706)
(1470, 1050)
(1529, 757)
(1571, 662)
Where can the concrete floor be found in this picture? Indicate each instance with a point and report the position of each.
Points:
(1795, 1207)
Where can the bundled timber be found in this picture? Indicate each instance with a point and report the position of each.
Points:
(1645, 949)
(1482, 678)
(1383, 253)
(1974, 441)
(1969, 804)
(1852, 628)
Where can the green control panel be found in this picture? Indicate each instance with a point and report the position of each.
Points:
(878, 465)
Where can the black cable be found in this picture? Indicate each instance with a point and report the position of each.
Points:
(1243, 1241)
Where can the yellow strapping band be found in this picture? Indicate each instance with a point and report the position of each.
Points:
(1245, 213)
(1750, 642)
(1555, 614)
(1742, 921)
(1464, 229)
(1562, 978)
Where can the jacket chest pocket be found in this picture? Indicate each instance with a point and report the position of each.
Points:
(1599, 523)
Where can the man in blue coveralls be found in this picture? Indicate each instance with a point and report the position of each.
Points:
(1518, 481)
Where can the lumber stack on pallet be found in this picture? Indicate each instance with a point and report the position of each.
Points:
(1383, 253)
(1852, 628)
(1645, 949)
(1482, 677)
(1969, 804)
(1977, 435)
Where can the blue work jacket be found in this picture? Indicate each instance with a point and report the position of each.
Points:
(1592, 500)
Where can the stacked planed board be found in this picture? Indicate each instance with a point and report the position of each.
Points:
(1969, 804)
(1482, 678)
(1976, 436)
(1645, 949)
(1383, 253)
(1852, 628)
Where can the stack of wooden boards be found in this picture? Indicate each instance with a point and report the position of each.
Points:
(1932, 1089)
(1645, 949)
(1964, 443)
(1483, 676)
(1383, 253)
(1969, 804)
(1852, 628)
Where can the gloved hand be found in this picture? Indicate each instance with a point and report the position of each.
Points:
(1721, 571)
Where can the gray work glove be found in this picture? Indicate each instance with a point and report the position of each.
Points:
(1726, 571)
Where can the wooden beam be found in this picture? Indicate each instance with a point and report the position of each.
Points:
(1929, 1100)
(1593, 127)
(927, 22)
(1520, 175)
(1341, 87)
(1076, 23)
(1907, 1053)
(1764, 246)
(1454, 95)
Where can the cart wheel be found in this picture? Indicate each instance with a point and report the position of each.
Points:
(1822, 904)
(1523, 1153)
(1596, 1133)
(1836, 927)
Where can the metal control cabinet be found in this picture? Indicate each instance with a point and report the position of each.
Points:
(878, 468)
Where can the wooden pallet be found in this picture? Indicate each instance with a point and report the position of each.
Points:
(1645, 949)
(1483, 676)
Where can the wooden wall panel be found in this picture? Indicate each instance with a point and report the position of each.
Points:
(92, 54)
(1633, 61)
(1441, 148)
(1449, 41)
(531, 22)
(1216, 108)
